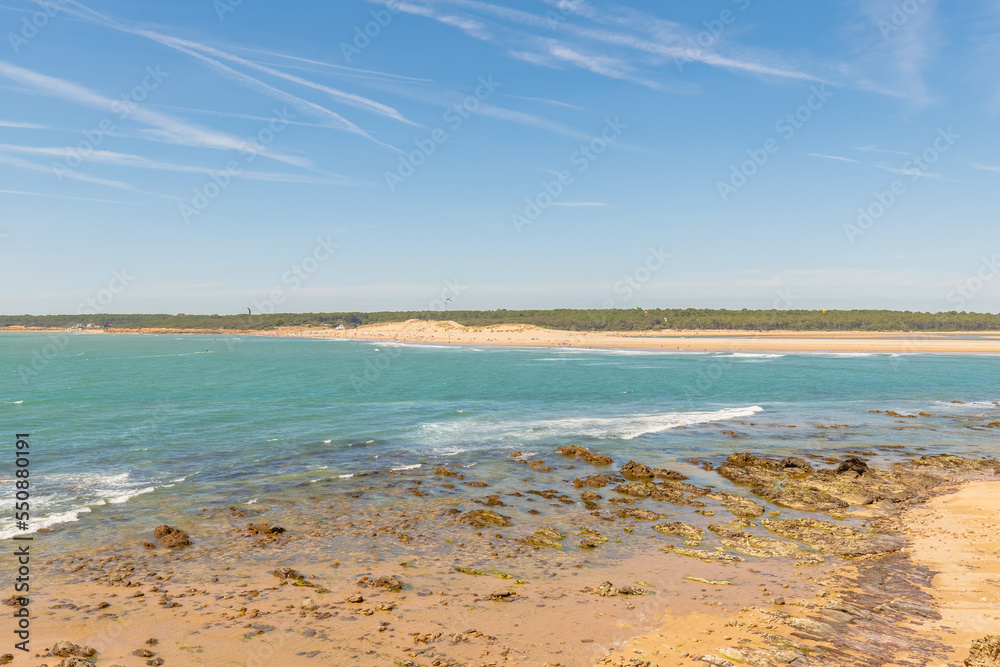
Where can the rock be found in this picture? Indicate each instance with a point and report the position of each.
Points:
(810, 499)
(155, 662)
(264, 528)
(729, 532)
(633, 470)
(585, 455)
(143, 653)
(597, 481)
(779, 601)
(832, 538)
(606, 589)
(985, 652)
(539, 464)
(590, 495)
(738, 505)
(634, 489)
(65, 649)
(680, 529)
(591, 538)
(287, 573)
(632, 590)
(483, 518)
(445, 472)
(388, 582)
(768, 547)
(795, 464)
(705, 555)
(854, 464)
(171, 537)
(355, 599)
(75, 661)
(545, 537)
(956, 463)
(6, 658)
(638, 513)
(309, 604)
(502, 595)
(716, 660)
(663, 473)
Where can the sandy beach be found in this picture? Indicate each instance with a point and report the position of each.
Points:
(452, 333)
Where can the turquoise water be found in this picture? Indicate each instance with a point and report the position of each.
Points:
(147, 421)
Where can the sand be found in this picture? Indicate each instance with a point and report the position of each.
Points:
(452, 333)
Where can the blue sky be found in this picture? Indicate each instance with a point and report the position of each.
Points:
(526, 154)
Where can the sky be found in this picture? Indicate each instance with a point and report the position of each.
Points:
(204, 157)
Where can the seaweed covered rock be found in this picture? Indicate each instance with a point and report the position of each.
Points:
(171, 537)
(831, 538)
(633, 470)
(680, 529)
(985, 652)
(483, 518)
(586, 455)
(809, 499)
(738, 505)
(854, 465)
(953, 463)
(634, 489)
(545, 537)
(750, 470)
(639, 514)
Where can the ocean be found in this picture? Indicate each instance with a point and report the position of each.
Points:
(135, 428)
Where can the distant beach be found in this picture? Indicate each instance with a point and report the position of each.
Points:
(447, 332)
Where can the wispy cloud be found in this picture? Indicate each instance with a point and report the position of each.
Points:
(75, 175)
(49, 195)
(167, 129)
(899, 52)
(876, 149)
(531, 120)
(140, 162)
(24, 126)
(835, 157)
(919, 173)
(202, 52)
(983, 167)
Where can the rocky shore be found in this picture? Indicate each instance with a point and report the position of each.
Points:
(801, 560)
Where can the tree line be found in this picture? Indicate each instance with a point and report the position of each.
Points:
(564, 319)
